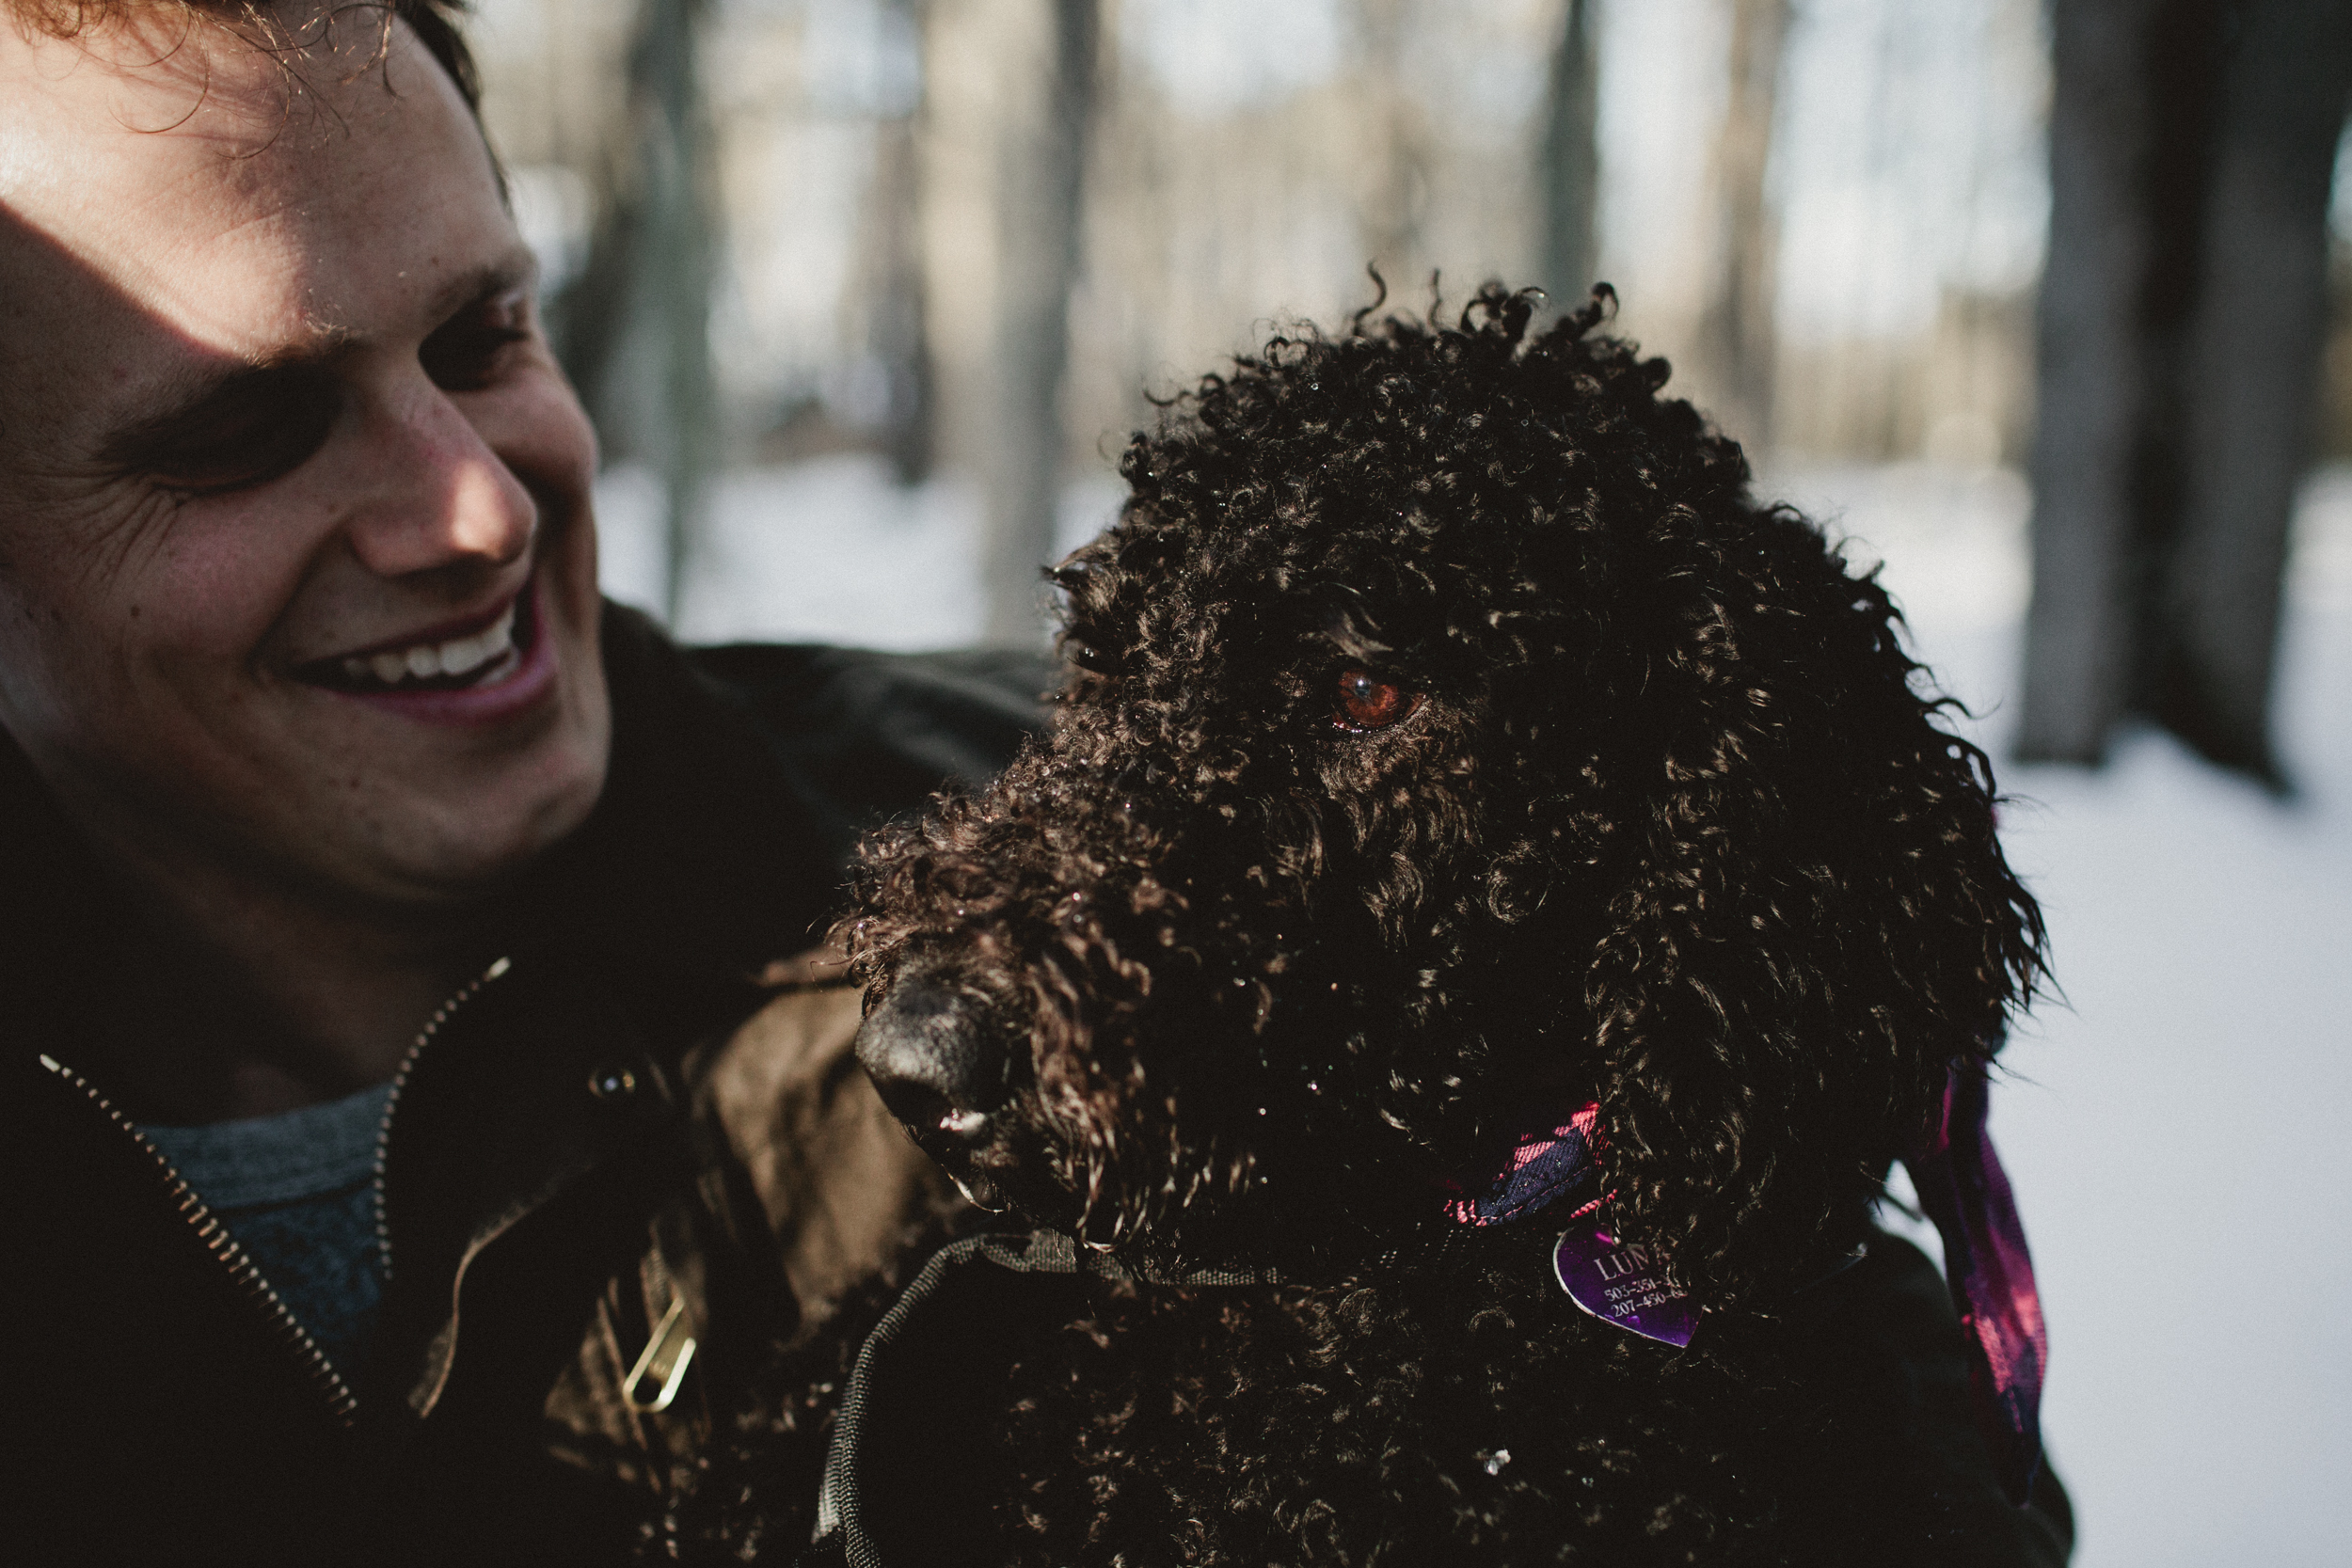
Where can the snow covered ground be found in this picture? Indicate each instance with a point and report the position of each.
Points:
(2173, 1125)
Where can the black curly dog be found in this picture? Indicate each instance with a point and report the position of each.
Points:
(1450, 739)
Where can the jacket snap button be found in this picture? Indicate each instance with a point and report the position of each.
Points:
(612, 1083)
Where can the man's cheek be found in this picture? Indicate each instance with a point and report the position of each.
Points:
(536, 424)
(56, 676)
(98, 555)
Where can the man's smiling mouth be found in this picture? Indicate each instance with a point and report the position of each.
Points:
(482, 657)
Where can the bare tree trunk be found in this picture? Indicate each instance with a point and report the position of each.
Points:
(1396, 201)
(898, 332)
(638, 320)
(2251, 390)
(2097, 364)
(2182, 313)
(1044, 177)
(1570, 161)
(1737, 329)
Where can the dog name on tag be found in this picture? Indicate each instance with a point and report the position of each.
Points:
(1625, 1285)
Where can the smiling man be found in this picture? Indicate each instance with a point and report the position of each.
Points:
(413, 1132)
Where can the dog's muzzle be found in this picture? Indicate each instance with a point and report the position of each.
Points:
(939, 1066)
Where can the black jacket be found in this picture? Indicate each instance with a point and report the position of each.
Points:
(640, 1127)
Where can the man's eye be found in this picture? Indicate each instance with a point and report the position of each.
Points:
(465, 353)
(247, 436)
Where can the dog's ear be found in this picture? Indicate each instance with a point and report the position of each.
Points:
(1808, 921)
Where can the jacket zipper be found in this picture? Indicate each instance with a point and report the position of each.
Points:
(400, 1084)
(243, 1270)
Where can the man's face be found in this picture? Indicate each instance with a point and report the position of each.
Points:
(298, 573)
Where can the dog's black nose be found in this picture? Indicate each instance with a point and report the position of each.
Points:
(938, 1064)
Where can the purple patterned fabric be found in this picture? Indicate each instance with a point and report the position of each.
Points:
(1545, 1162)
(1964, 1191)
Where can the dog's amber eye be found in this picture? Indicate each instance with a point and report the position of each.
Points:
(1369, 703)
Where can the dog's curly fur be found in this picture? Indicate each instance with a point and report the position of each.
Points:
(1667, 821)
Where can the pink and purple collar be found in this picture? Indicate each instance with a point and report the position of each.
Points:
(1961, 1186)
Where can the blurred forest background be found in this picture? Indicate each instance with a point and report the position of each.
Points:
(969, 237)
(2046, 306)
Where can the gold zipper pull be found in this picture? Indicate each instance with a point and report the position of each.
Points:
(662, 1367)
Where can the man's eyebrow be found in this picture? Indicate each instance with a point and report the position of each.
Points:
(509, 271)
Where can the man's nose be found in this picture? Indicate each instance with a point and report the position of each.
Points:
(939, 1066)
(440, 497)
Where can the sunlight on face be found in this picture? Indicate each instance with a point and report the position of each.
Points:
(296, 562)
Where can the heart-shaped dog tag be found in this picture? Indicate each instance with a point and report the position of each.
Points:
(1623, 1284)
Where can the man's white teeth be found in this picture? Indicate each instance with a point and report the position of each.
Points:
(459, 655)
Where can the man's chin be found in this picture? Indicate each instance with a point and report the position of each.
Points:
(444, 859)
(447, 829)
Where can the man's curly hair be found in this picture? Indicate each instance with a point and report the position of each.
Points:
(1672, 823)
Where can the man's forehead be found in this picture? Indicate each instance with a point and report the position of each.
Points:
(247, 213)
(144, 173)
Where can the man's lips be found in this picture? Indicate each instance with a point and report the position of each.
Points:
(440, 631)
(493, 667)
(473, 650)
